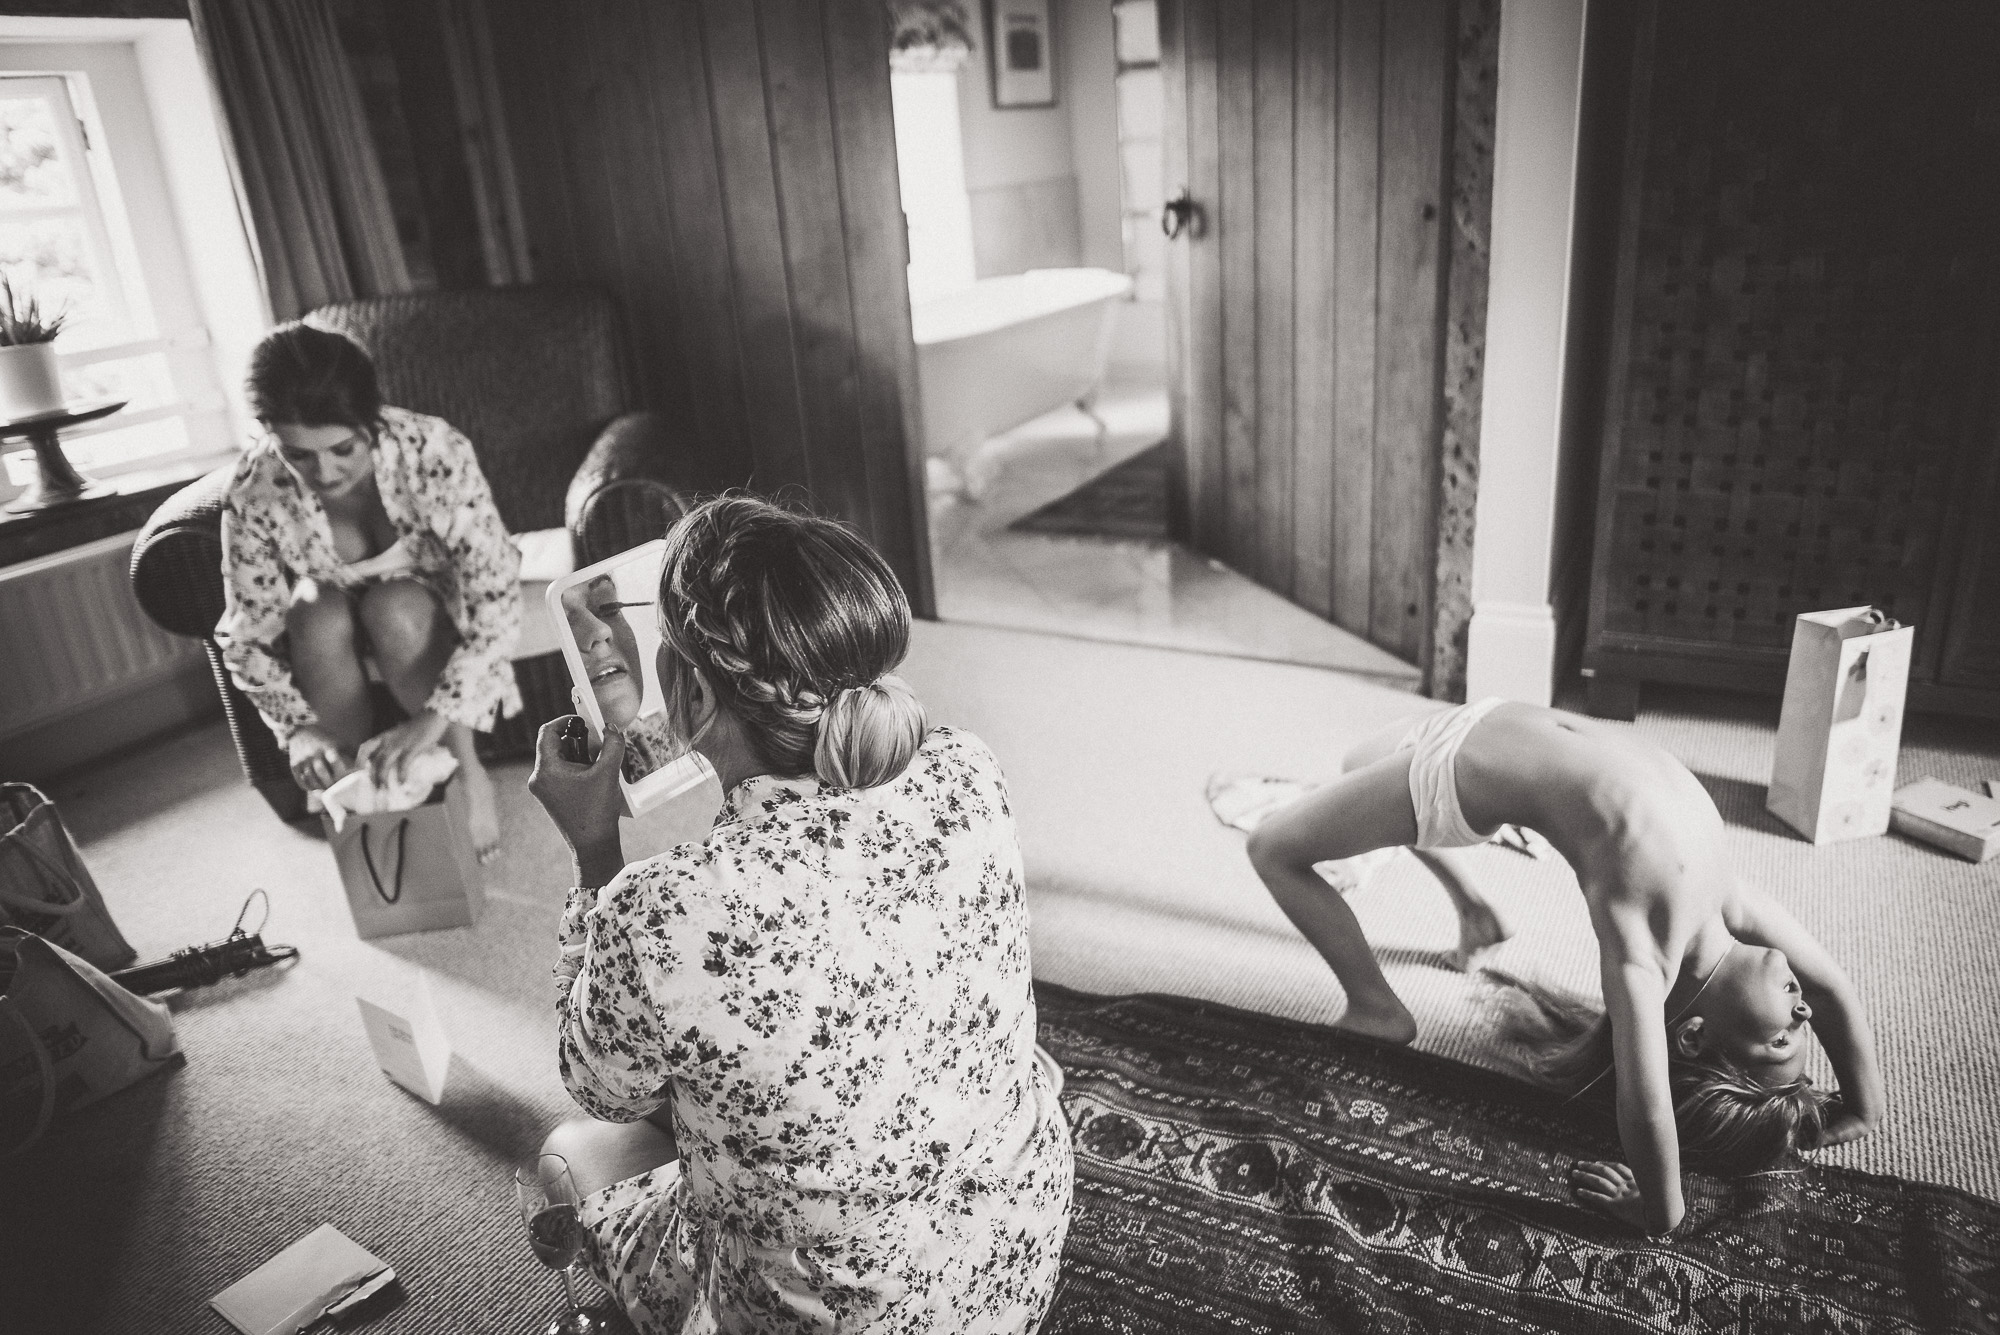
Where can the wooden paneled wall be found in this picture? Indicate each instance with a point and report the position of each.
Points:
(1312, 293)
(727, 169)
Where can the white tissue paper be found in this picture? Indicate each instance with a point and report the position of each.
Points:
(357, 793)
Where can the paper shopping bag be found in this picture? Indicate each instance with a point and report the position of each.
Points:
(409, 871)
(1834, 771)
(44, 886)
(69, 1036)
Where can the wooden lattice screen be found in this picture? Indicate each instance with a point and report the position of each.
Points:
(1802, 353)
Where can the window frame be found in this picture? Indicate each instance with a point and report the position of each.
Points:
(162, 312)
(1131, 218)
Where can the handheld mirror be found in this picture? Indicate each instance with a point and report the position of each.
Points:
(604, 617)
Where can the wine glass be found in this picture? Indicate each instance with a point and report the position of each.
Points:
(548, 1199)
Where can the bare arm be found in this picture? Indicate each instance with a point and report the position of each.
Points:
(1839, 1018)
(1635, 999)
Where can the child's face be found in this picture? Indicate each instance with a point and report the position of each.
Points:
(1757, 1014)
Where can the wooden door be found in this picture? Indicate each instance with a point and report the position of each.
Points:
(727, 169)
(1308, 295)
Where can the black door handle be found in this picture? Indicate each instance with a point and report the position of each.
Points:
(1178, 215)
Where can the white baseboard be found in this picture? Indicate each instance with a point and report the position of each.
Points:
(1511, 652)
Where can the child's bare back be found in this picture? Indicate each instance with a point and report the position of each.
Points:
(1640, 831)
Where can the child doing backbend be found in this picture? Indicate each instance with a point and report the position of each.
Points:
(1709, 987)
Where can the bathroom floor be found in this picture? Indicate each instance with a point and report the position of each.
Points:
(1151, 592)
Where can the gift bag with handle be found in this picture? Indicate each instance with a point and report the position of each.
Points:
(69, 1036)
(44, 886)
(1834, 770)
(409, 871)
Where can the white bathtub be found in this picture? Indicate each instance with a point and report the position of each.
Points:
(1007, 350)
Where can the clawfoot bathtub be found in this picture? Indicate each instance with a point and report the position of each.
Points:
(1005, 351)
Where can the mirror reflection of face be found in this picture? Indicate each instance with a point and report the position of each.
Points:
(609, 648)
(331, 460)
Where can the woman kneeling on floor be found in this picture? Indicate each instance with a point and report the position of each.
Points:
(829, 994)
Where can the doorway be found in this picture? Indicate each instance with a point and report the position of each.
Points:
(1042, 306)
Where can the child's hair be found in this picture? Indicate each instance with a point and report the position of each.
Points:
(1731, 1124)
(313, 377)
(1727, 1122)
(794, 621)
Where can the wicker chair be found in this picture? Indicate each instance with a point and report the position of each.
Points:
(533, 375)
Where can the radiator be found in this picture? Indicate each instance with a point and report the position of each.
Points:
(73, 637)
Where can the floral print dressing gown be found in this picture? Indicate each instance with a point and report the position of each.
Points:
(836, 984)
(275, 533)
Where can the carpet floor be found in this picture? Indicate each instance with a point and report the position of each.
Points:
(132, 1214)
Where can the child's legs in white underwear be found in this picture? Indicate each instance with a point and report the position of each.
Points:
(1480, 925)
(1350, 873)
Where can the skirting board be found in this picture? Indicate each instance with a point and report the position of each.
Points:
(1511, 652)
(154, 705)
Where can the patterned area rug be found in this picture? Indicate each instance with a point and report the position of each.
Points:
(1126, 501)
(1246, 1174)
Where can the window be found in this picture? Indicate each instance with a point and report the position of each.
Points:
(1141, 148)
(53, 241)
(67, 239)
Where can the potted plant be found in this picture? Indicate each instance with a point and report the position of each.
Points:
(928, 35)
(29, 381)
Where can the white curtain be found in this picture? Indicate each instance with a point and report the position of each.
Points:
(319, 208)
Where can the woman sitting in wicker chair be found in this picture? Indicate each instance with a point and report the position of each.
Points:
(352, 532)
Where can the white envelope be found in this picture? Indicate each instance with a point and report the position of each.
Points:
(322, 1270)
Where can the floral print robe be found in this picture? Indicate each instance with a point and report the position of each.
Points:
(275, 533)
(832, 991)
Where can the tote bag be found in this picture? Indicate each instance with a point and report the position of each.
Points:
(1833, 768)
(69, 1036)
(409, 871)
(44, 886)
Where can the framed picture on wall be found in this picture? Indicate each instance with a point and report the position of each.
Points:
(1020, 53)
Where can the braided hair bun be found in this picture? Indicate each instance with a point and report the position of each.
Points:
(868, 734)
(794, 621)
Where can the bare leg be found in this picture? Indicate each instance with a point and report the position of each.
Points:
(1378, 745)
(1349, 874)
(482, 803)
(602, 1153)
(1364, 810)
(413, 639)
(1480, 926)
(411, 636)
(326, 662)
